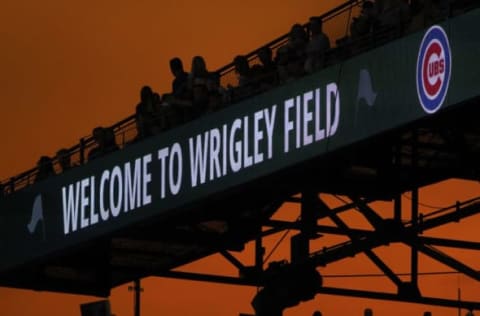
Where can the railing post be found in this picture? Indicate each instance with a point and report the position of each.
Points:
(82, 151)
(12, 184)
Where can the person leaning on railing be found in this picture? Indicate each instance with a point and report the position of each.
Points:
(366, 23)
(394, 16)
(180, 79)
(146, 114)
(245, 77)
(44, 169)
(265, 73)
(64, 159)
(317, 46)
(291, 57)
(105, 142)
(199, 74)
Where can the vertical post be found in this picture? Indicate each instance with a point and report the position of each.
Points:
(300, 243)
(12, 185)
(414, 254)
(137, 289)
(136, 293)
(308, 219)
(397, 201)
(459, 296)
(82, 151)
(414, 257)
(397, 208)
(259, 252)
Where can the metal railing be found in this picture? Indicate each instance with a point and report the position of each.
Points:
(336, 23)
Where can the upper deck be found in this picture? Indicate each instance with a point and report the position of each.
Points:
(356, 127)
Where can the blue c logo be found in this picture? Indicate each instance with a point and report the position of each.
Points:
(434, 65)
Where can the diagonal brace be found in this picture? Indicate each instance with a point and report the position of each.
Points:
(446, 259)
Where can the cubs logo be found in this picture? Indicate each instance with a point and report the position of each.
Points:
(434, 66)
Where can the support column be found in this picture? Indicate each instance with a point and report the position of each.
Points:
(259, 252)
(136, 288)
(300, 243)
(414, 251)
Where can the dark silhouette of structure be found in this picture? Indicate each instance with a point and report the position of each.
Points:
(135, 236)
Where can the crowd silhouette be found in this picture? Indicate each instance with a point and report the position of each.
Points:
(307, 49)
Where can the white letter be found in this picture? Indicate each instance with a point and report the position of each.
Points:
(93, 215)
(116, 178)
(319, 132)
(132, 190)
(84, 203)
(235, 147)
(332, 127)
(258, 136)
(270, 122)
(214, 153)
(288, 124)
(297, 122)
(147, 178)
(307, 117)
(162, 155)
(198, 159)
(247, 160)
(104, 213)
(70, 207)
(224, 149)
(176, 154)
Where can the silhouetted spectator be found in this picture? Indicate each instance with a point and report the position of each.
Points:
(394, 17)
(317, 47)
(105, 140)
(242, 68)
(317, 313)
(417, 13)
(427, 314)
(64, 159)
(266, 72)
(146, 114)
(200, 101)
(186, 111)
(265, 57)
(245, 76)
(368, 312)
(44, 168)
(180, 82)
(290, 58)
(366, 22)
(297, 43)
(436, 11)
(200, 75)
(215, 101)
(111, 144)
(281, 60)
(159, 106)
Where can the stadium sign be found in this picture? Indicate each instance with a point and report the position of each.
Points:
(434, 65)
(223, 153)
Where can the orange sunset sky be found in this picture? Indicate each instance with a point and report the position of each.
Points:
(68, 66)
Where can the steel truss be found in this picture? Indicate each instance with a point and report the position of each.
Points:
(384, 232)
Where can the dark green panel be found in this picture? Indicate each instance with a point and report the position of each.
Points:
(391, 68)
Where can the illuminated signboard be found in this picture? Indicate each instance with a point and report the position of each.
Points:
(301, 120)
